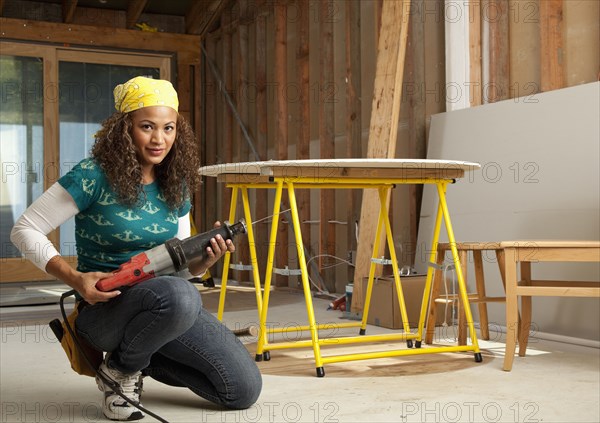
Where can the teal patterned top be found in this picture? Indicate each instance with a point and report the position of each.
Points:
(108, 233)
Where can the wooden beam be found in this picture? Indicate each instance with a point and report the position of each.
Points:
(184, 75)
(475, 75)
(417, 140)
(227, 128)
(497, 88)
(261, 209)
(202, 15)
(304, 135)
(243, 152)
(383, 132)
(551, 36)
(186, 46)
(354, 114)
(197, 89)
(68, 10)
(378, 11)
(134, 11)
(210, 140)
(326, 137)
(281, 134)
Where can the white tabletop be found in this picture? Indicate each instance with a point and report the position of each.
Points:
(266, 167)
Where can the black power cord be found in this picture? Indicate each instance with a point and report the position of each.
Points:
(115, 387)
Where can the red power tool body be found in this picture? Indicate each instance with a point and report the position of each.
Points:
(170, 257)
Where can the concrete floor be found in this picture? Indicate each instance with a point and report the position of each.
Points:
(555, 383)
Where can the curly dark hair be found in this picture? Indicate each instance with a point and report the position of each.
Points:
(177, 175)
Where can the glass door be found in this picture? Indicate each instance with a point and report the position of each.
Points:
(21, 140)
(24, 140)
(52, 102)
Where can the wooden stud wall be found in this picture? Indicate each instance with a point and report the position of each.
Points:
(283, 34)
(278, 60)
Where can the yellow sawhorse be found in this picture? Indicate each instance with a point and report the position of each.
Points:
(281, 177)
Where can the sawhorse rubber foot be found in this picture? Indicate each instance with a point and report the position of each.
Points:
(478, 358)
(409, 343)
(320, 372)
(267, 355)
(362, 331)
(417, 344)
(258, 357)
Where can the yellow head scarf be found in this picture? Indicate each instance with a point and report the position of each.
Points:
(144, 92)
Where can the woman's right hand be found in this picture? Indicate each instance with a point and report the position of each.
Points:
(87, 288)
(84, 283)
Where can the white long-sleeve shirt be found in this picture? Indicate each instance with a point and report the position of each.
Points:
(53, 208)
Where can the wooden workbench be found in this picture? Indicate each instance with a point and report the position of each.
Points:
(379, 174)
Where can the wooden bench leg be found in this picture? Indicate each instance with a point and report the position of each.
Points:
(525, 325)
(512, 308)
(480, 286)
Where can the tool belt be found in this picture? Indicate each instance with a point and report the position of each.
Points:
(84, 358)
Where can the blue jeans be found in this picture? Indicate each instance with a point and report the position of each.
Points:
(160, 328)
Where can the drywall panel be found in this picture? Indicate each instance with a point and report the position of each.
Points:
(540, 179)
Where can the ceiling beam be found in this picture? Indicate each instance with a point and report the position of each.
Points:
(134, 11)
(185, 45)
(202, 14)
(68, 10)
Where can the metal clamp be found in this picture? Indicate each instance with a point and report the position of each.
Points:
(381, 260)
(240, 266)
(287, 271)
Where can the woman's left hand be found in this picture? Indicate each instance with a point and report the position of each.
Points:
(218, 247)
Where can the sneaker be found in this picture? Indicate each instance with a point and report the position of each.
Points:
(114, 407)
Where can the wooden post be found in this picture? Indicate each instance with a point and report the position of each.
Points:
(281, 136)
(261, 210)
(197, 123)
(475, 78)
(497, 87)
(383, 130)
(227, 127)
(243, 250)
(551, 35)
(210, 142)
(354, 117)
(326, 137)
(415, 94)
(303, 141)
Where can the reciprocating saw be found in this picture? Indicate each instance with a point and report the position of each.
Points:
(170, 257)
